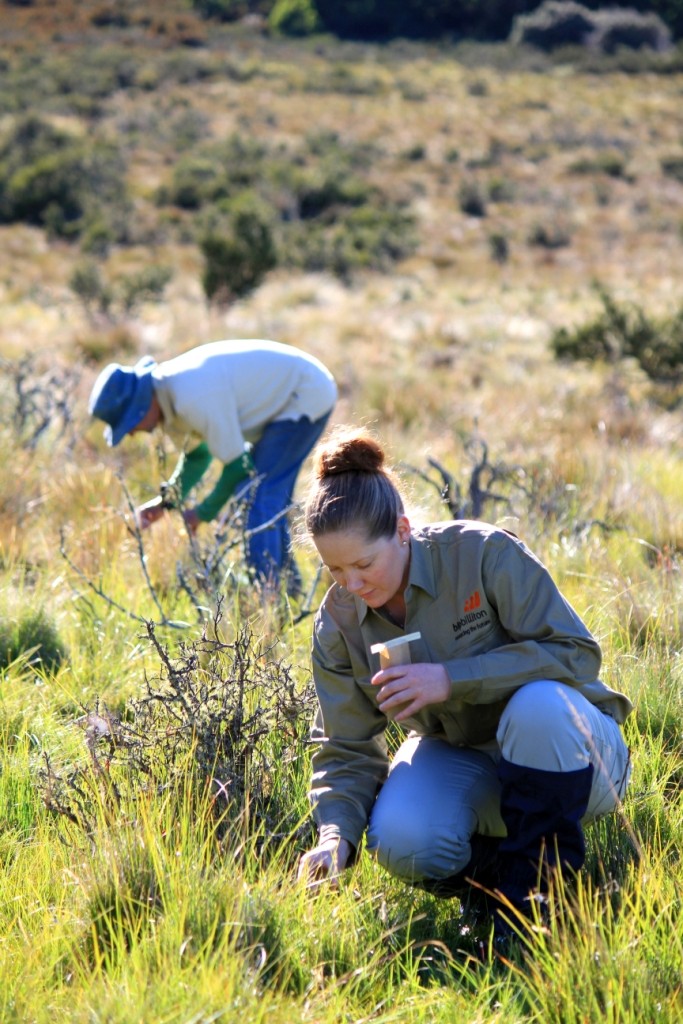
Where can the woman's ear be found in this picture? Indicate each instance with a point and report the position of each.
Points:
(403, 529)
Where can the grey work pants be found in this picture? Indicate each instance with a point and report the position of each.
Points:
(437, 796)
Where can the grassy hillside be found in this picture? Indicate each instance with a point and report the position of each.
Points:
(132, 887)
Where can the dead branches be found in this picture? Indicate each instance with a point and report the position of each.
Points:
(225, 718)
(43, 401)
(470, 501)
(533, 493)
(212, 569)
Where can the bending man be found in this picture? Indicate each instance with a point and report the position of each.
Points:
(257, 406)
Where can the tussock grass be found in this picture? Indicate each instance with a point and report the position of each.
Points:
(154, 914)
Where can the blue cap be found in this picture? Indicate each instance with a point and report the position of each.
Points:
(121, 396)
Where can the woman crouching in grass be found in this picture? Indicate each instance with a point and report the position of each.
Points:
(513, 742)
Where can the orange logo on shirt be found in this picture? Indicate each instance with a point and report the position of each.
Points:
(472, 602)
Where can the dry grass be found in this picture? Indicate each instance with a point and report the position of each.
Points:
(453, 341)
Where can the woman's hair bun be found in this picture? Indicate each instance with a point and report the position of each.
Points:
(354, 489)
(357, 452)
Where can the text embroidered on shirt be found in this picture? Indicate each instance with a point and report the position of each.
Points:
(470, 623)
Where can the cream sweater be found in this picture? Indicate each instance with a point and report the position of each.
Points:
(226, 392)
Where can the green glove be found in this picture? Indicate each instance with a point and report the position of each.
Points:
(233, 474)
(191, 468)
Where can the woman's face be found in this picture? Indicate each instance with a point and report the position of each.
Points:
(375, 570)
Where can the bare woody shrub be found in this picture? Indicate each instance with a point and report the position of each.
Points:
(40, 403)
(228, 717)
(495, 490)
(485, 485)
(115, 299)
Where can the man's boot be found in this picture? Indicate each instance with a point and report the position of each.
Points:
(542, 812)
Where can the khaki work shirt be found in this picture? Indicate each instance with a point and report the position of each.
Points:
(489, 611)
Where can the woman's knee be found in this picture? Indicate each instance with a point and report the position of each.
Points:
(413, 850)
(435, 797)
(542, 727)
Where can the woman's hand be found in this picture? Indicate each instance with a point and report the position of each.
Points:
(326, 861)
(411, 688)
(148, 513)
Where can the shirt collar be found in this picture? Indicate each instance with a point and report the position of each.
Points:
(421, 572)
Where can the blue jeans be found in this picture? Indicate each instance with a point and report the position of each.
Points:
(278, 456)
(437, 796)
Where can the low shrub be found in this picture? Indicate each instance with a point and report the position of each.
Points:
(550, 235)
(32, 633)
(147, 284)
(43, 402)
(110, 16)
(554, 24)
(501, 190)
(672, 166)
(120, 296)
(56, 180)
(220, 171)
(366, 238)
(616, 28)
(97, 238)
(88, 285)
(223, 715)
(621, 331)
(471, 199)
(416, 152)
(351, 154)
(238, 247)
(294, 18)
(499, 246)
(196, 180)
(320, 190)
(608, 162)
(52, 187)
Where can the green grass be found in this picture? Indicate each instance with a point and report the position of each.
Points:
(160, 910)
(160, 902)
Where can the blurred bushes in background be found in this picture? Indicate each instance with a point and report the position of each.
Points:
(383, 19)
(558, 23)
(310, 206)
(60, 181)
(251, 204)
(294, 18)
(248, 206)
(626, 331)
(238, 246)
